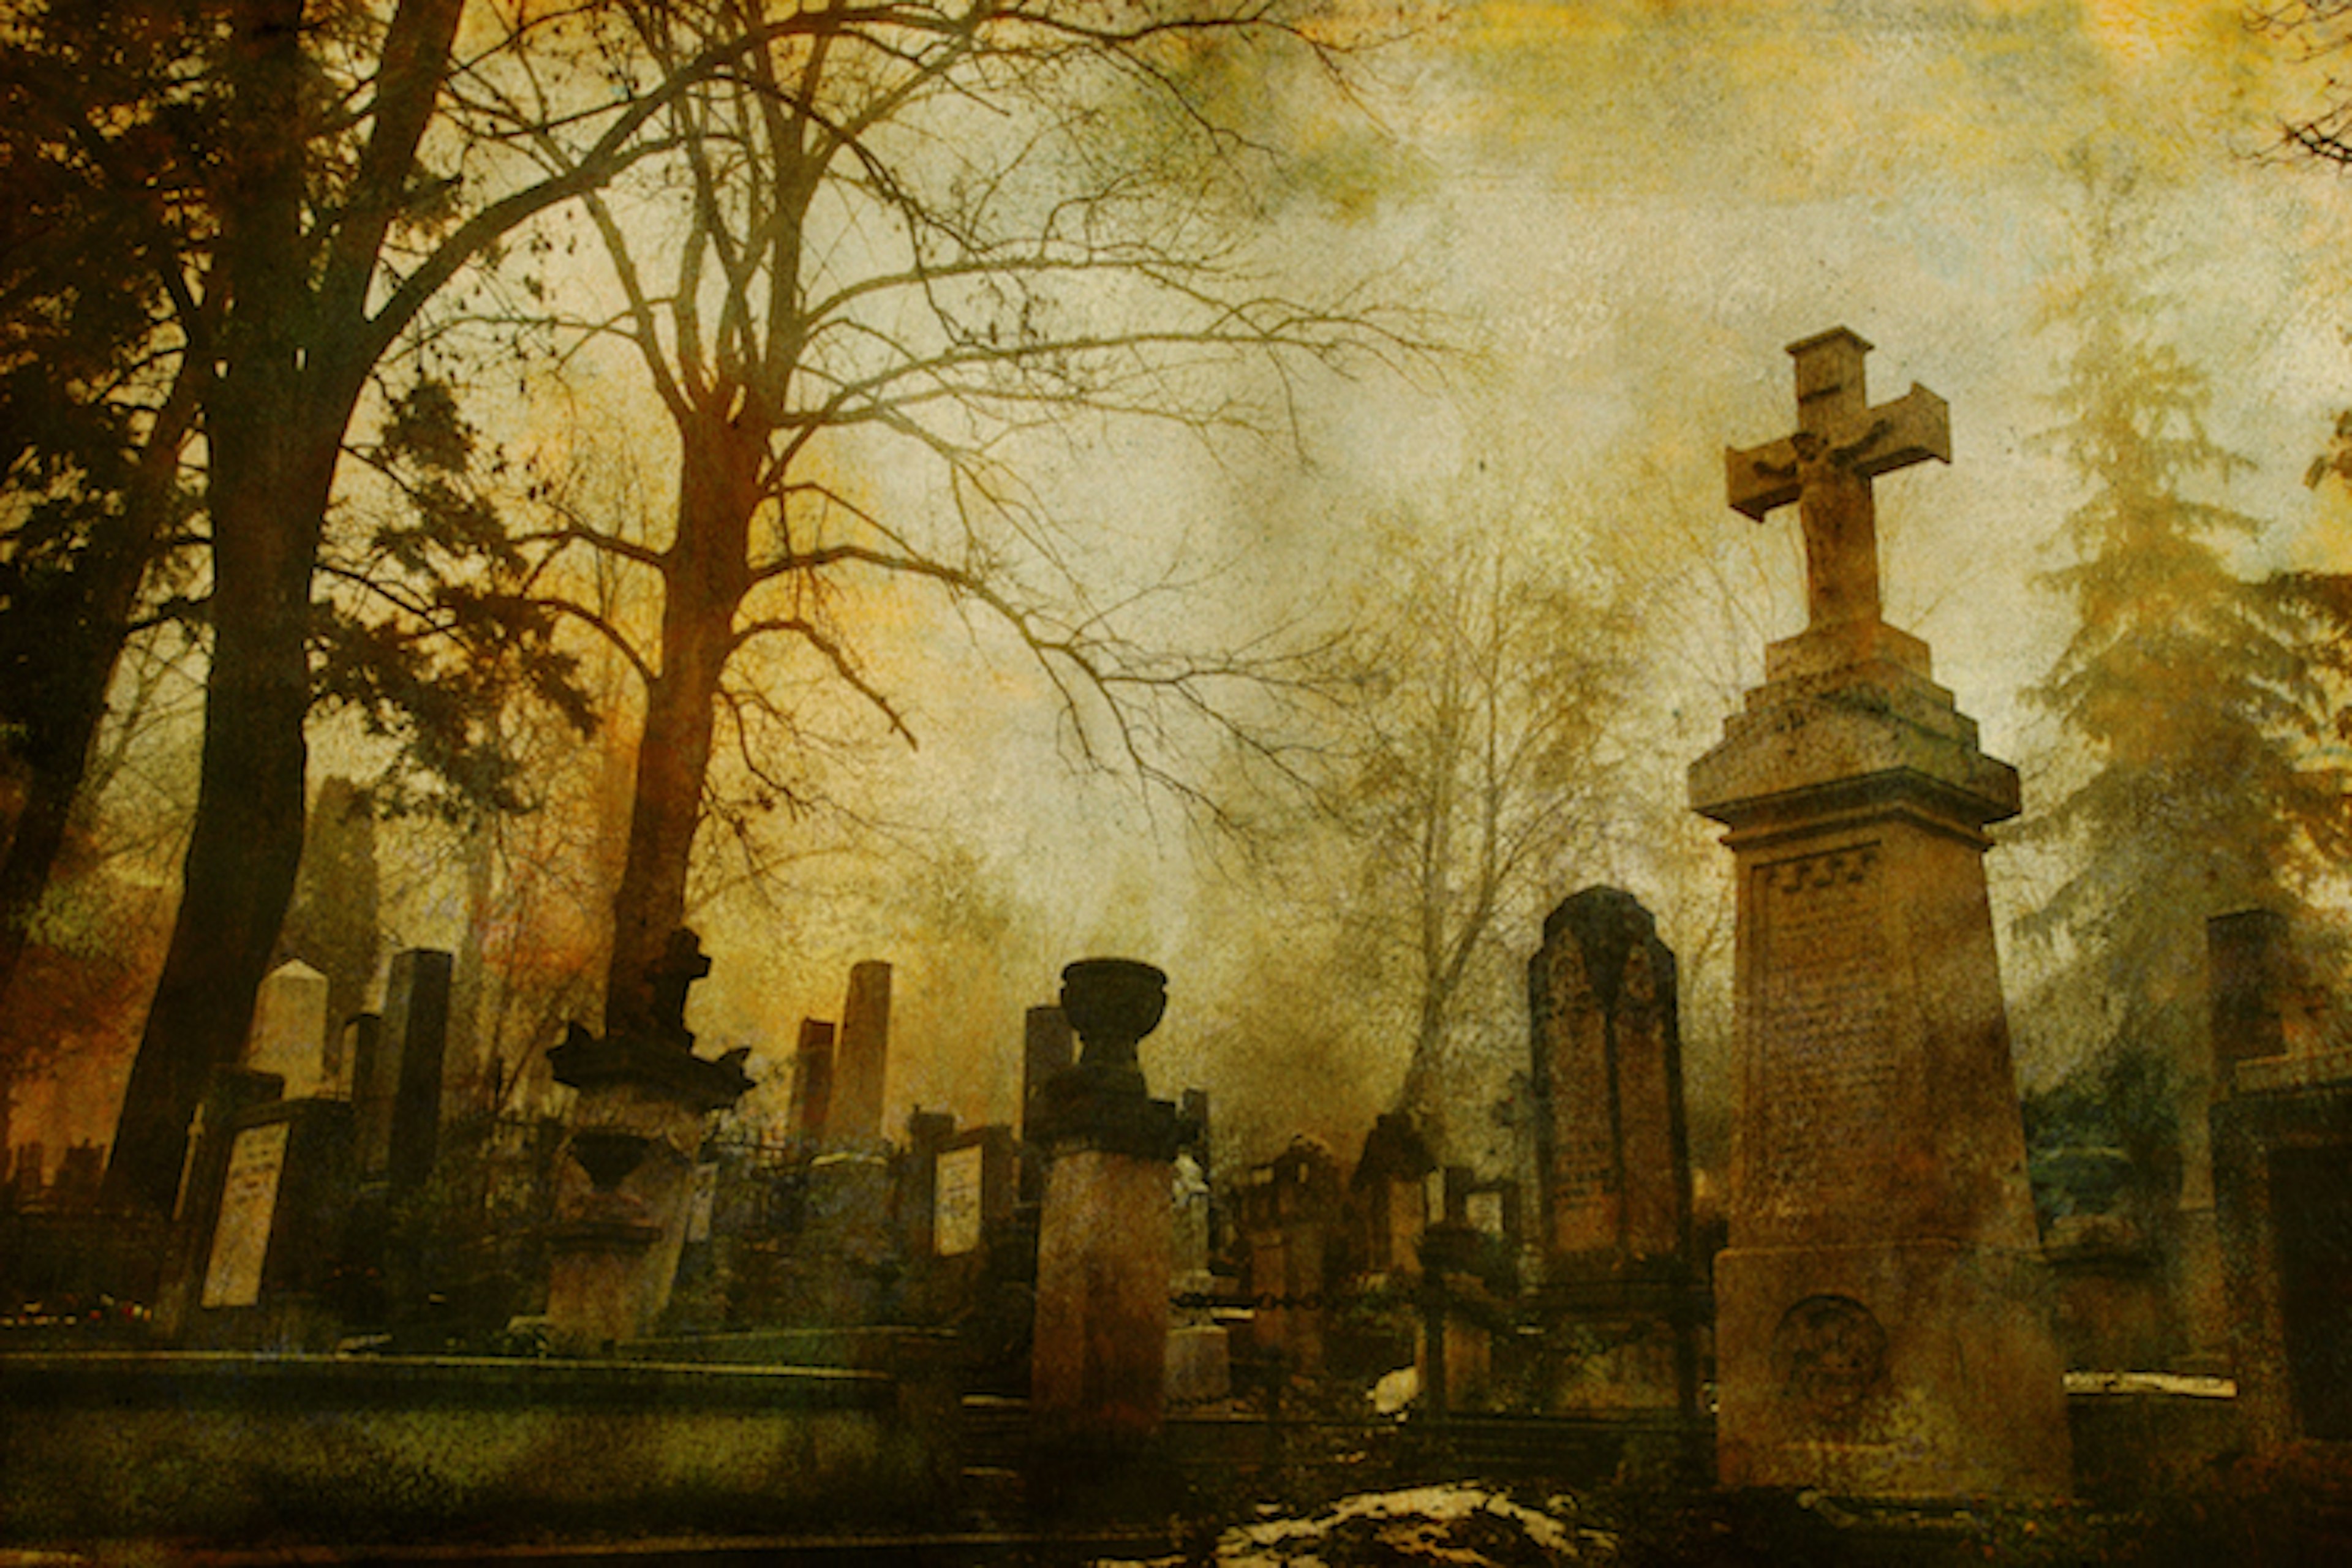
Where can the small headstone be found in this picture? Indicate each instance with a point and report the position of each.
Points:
(812, 1078)
(1387, 1197)
(1289, 1212)
(861, 1057)
(1047, 1046)
(1611, 1144)
(400, 1110)
(955, 1202)
(289, 1036)
(249, 1210)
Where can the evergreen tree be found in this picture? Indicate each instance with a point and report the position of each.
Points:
(2188, 688)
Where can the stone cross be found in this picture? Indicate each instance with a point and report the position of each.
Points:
(682, 964)
(1841, 445)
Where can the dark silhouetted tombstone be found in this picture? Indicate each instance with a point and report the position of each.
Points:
(1098, 1372)
(1290, 1216)
(861, 1057)
(812, 1079)
(1387, 1199)
(278, 1237)
(2252, 993)
(1612, 1151)
(625, 1196)
(203, 1172)
(2282, 1176)
(397, 1092)
(1623, 1305)
(1882, 1311)
(1047, 1046)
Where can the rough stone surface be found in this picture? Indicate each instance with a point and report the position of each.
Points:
(1882, 1321)
(290, 1028)
(1612, 1147)
(861, 1057)
(1098, 1365)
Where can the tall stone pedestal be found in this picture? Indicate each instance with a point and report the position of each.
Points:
(1881, 1322)
(636, 1128)
(1099, 1362)
(1098, 1365)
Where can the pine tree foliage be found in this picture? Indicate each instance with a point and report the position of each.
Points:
(2188, 685)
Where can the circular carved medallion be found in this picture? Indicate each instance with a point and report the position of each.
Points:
(1829, 1355)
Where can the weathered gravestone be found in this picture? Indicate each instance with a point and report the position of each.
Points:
(1290, 1216)
(1880, 1320)
(812, 1079)
(861, 1057)
(1623, 1302)
(1097, 1368)
(398, 1072)
(1385, 1196)
(1200, 1354)
(636, 1139)
(2282, 1180)
(277, 1242)
(290, 1035)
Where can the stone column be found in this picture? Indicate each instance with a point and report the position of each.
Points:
(812, 1079)
(1097, 1368)
(636, 1128)
(861, 1057)
(1881, 1325)
(398, 1078)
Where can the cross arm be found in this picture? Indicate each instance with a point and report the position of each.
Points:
(1911, 429)
(1762, 478)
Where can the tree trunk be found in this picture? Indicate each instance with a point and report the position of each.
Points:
(273, 434)
(106, 591)
(705, 574)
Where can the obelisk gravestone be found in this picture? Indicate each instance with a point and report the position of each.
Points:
(1881, 1328)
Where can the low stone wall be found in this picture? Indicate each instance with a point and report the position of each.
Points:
(246, 1450)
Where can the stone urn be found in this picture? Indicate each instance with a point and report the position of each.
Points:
(1112, 1003)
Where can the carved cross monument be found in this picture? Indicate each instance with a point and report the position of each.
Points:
(1880, 1328)
(1840, 446)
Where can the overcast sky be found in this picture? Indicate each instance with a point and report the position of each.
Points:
(1623, 211)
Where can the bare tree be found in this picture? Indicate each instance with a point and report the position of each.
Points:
(1484, 768)
(343, 193)
(944, 231)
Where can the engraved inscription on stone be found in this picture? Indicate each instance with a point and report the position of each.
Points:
(1829, 1356)
(955, 1204)
(1583, 1143)
(1829, 1077)
(248, 1208)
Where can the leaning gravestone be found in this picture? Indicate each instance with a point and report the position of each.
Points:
(1881, 1322)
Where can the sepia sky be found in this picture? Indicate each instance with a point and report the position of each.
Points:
(1622, 211)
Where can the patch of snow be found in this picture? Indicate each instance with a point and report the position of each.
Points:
(2151, 1383)
(1456, 1525)
(1396, 1391)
